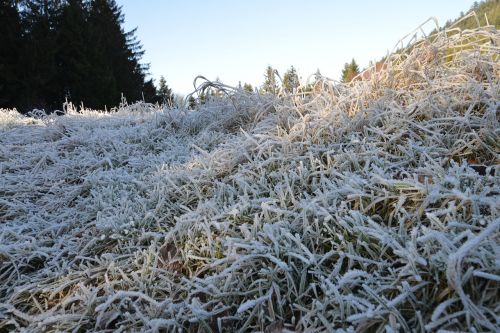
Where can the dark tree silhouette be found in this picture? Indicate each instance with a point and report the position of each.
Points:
(76, 50)
(11, 42)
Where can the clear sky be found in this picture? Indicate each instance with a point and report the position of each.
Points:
(236, 39)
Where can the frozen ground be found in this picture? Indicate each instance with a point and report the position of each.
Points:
(372, 206)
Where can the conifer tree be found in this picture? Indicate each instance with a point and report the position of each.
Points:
(149, 92)
(354, 67)
(202, 98)
(110, 60)
(191, 103)
(248, 87)
(74, 57)
(270, 84)
(165, 94)
(291, 80)
(38, 59)
(117, 55)
(350, 71)
(11, 41)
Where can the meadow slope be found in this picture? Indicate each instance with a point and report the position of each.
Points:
(369, 206)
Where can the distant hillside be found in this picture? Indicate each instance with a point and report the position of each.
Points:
(489, 7)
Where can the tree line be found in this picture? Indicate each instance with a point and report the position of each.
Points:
(290, 81)
(53, 51)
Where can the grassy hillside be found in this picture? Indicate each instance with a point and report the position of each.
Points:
(489, 9)
(364, 207)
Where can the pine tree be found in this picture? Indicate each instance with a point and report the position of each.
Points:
(165, 95)
(350, 71)
(149, 92)
(354, 67)
(11, 43)
(202, 98)
(291, 80)
(345, 73)
(191, 103)
(117, 55)
(270, 85)
(74, 57)
(248, 87)
(38, 57)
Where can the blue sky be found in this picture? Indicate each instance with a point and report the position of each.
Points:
(236, 39)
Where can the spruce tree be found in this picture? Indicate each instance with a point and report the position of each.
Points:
(354, 67)
(191, 103)
(106, 54)
(202, 98)
(117, 54)
(248, 87)
(149, 92)
(291, 80)
(350, 71)
(74, 57)
(38, 57)
(164, 92)
(11, 43)
(270, 85)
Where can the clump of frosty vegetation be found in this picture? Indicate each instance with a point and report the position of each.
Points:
(369, 206)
